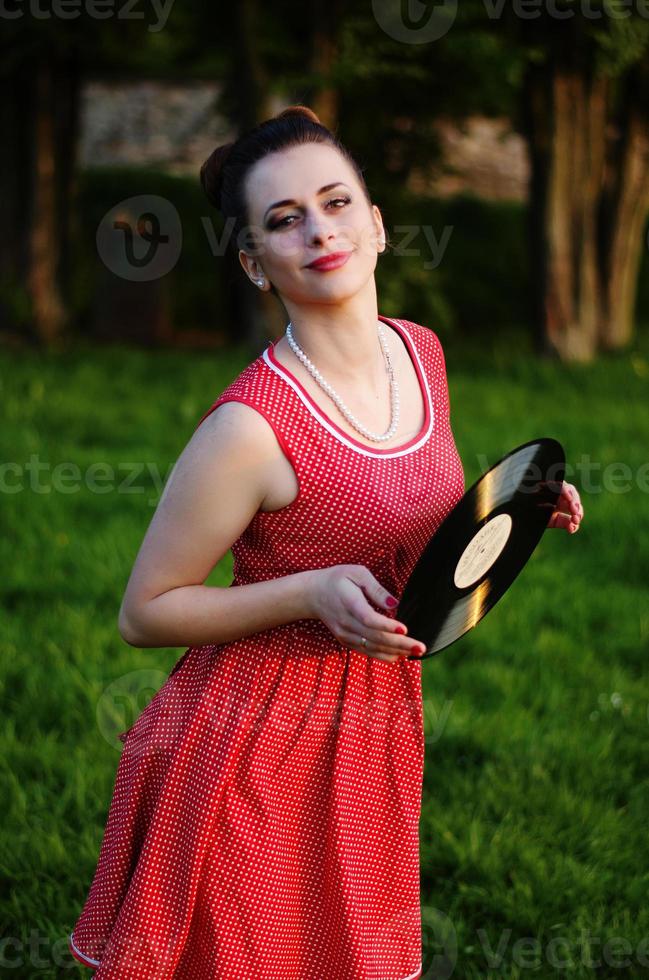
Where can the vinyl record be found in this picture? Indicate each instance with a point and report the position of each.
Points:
(482, 545)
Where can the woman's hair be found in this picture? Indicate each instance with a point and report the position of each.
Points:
(223, 174)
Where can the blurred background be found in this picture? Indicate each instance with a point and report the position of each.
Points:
(489, 126)
(507, 146)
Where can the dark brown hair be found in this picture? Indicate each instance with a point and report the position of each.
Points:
(224, 172)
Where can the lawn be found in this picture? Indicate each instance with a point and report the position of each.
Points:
(534, 822)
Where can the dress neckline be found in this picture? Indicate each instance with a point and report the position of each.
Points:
(335, 430)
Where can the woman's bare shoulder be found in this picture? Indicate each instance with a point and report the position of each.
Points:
(239, 421)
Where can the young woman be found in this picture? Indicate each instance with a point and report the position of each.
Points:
(264, 821)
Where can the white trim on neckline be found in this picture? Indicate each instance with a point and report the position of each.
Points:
(320, 416)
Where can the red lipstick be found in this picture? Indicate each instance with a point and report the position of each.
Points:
(334, 260)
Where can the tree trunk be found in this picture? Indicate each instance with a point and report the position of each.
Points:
(48, 311)
(572, 300)
(67, 125)
(326, 15)
(39, 109)
(536, 129)
(15, 97)
(625, 206)
(589, 197)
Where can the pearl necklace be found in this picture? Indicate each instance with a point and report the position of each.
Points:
(394, 390)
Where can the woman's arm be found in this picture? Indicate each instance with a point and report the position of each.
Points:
(195, 615)
(215, 488)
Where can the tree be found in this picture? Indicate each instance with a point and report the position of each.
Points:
(39, 93)
(44, 60)
(575, 81)
(584, 111)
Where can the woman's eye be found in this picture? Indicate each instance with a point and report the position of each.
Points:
(334, 200)
(282, 222)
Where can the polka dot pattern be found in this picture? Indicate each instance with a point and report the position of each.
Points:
(264, 818)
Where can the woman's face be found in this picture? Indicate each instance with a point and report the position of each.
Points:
(295, 220)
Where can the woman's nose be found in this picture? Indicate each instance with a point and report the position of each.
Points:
(316, 229)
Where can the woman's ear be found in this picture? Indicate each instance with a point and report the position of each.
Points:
(380, 231)
(253, 270)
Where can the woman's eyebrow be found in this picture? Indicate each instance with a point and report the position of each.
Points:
(288, 200)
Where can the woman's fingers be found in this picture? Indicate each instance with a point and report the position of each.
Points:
(576, 509)
(386, 638)
(391, 644)
(569, 511)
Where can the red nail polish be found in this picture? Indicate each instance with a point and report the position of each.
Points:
(392, 602)
(401, 630)
(416, 650)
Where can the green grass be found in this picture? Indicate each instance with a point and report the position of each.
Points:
(534, 821)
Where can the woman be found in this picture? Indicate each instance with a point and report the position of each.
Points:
(265, 816)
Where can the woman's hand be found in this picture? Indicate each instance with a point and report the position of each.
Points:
(568, 512)
(340, 600)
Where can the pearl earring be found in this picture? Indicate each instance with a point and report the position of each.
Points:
(260, 282)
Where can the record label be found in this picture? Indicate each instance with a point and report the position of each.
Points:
(482, 551)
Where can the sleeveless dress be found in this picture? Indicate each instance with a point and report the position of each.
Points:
(264, 819)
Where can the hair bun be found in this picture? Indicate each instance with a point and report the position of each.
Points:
(300, 110)
(211, 173)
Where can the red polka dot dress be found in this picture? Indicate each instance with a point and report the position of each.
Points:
(264, 819)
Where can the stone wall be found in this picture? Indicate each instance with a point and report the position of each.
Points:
(175, 127)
